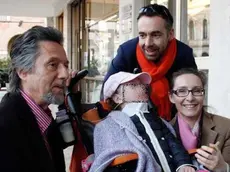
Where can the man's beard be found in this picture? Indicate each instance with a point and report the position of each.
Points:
(54, 99)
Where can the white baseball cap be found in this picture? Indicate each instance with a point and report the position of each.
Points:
(119, 78)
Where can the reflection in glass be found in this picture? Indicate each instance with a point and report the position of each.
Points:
(204, 54)
(102, 41)
(103, 36)
(198, 26)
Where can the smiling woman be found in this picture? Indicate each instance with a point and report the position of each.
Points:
(196, 128)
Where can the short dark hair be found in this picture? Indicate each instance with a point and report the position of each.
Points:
(157, 10)
(25, 50)
(183, 71)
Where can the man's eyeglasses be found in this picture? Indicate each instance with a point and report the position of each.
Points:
(155, 10)
(150, 9)
(183, 92)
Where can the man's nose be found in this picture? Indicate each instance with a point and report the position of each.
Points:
(148, 41)
(63, 72)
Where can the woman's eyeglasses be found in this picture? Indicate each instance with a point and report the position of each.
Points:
(183, 92)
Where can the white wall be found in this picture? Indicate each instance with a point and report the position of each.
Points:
(219, 79)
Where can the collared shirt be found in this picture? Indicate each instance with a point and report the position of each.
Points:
(43, 119)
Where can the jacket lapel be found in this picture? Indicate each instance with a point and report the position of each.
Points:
(208, 134)
(36, 146)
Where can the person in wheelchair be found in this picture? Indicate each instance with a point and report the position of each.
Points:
(131, 128)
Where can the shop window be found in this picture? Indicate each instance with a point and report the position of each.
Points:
(204, 54)
(60, 23)
(191, 30)
(101, 43)
(205, 29)
(4, 18)
(197, 32)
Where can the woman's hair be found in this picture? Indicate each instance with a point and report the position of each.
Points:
(183, 71)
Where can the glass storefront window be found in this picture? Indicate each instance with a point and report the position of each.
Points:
(102, 41)
(198, 26)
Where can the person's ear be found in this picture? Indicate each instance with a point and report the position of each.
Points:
(117, 98)
(171, 34)
(171, 98)
(22, 74)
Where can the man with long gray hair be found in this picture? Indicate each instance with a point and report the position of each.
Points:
(30, 139)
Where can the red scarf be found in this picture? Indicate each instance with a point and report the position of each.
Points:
(159, 84)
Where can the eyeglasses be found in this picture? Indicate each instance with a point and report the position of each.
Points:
(183, 92)
(155, 9)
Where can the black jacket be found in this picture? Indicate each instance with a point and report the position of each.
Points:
(22, 147)
(173, 149)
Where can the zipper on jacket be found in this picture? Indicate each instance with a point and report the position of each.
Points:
(155, 143)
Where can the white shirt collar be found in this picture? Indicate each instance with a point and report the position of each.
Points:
(133, 108)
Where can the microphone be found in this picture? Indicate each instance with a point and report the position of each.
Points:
(81, 74)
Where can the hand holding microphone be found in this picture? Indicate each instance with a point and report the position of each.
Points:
(74, 77)
(63, 117)
(77, 77)
(69, 90)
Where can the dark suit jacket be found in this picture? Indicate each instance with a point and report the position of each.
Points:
(22, 147)
(214, 128)
(126, 59)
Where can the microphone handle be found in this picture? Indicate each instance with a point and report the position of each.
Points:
(81, 74)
